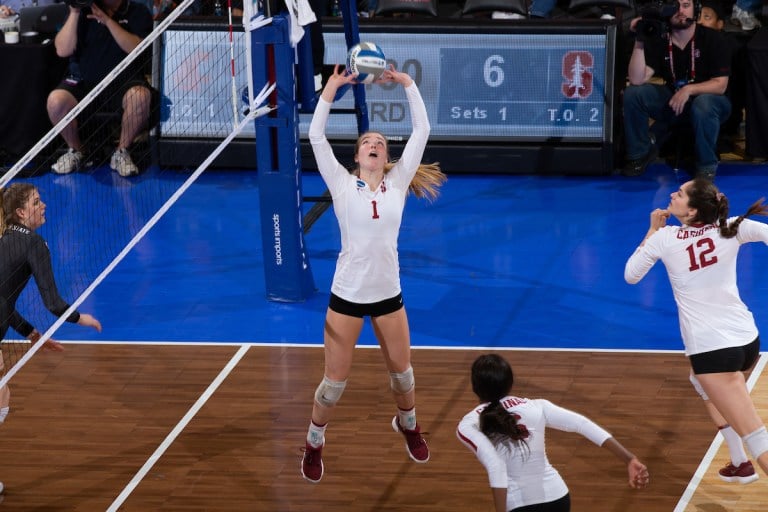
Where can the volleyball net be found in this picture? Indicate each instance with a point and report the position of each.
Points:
(95, 215)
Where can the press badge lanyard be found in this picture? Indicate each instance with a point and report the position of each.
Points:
(672, 63)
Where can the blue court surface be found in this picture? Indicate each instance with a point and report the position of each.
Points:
(497, 261)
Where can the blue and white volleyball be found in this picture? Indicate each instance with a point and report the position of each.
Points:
(367, 60)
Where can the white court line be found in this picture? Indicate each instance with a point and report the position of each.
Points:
(706, 462)
(177, 429)
(319, 344)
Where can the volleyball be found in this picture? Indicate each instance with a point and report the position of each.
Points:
(367, 60)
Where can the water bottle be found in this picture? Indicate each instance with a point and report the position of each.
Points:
(217, 9)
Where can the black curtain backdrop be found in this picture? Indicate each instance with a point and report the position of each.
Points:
(757, 95)
(32, 71)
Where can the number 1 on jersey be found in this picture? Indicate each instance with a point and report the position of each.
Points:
(375, 210)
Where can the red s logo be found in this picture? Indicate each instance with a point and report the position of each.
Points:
(577, 71)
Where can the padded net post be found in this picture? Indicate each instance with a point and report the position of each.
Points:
(287, 272)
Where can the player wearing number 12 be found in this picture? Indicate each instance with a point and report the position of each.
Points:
(507, 434)
(368, 202)
(719, 332)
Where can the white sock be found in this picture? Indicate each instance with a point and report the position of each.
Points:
(316, 434)
(735, 446)
(407, 418)
(3, 413)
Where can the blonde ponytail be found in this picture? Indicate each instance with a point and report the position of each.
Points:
(426, 181)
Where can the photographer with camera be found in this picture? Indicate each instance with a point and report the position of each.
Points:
(694, 62)
(96, 37)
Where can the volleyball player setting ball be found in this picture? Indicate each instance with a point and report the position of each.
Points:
(369, 200)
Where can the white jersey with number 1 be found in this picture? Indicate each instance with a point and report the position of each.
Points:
(368, 269)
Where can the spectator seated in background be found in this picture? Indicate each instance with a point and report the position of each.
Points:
(160, 8)
(12, 7)
(97, 39)
(695, 63)
(219, 8)
(745, 13)
(713, 16)
(542, 9)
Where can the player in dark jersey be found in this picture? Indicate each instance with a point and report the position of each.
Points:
(23, 254)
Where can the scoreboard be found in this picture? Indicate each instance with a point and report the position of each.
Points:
(516, 91)
(489, 87)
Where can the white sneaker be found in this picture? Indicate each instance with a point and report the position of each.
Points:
(122, 163)
(68, 162)
(746, 19)
(503, 15)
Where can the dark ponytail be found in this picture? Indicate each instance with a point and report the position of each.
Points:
(712, 207)
(501, 426)
(492, 380)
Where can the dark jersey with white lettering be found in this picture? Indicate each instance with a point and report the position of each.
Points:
(23, 254)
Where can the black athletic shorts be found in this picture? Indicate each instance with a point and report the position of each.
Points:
(383, 307)
(561, 505)
(111, 100)
(732, 359)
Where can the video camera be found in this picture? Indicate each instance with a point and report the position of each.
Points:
(79, 4)
(654, 18)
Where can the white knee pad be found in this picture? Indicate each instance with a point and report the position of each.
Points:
(697, 387)
(757, 442)
(402, 383)
(329, 391)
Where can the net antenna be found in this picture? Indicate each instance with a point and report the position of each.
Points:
(235, 113)
(127, 208)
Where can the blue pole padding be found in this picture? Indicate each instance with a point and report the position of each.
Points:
(352, 36)
(306, 70)
(287, 272)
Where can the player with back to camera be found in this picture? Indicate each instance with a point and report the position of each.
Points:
(507, 434)
(739, 468)
(24, 254)
(718, 330)
(368, 203)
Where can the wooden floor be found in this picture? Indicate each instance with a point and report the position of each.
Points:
(84, 423)
(530, 262)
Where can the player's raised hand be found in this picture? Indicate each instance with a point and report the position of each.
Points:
(659, 218)
(391, 75)
(336, 81)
